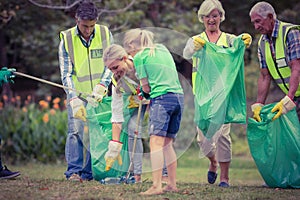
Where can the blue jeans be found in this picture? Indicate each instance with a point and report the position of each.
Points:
(74, 149)
(138, 151)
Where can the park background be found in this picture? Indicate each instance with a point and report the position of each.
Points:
(33, 119)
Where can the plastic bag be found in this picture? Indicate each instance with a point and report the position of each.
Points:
(220, 95)
(275, 147)
(100, 132)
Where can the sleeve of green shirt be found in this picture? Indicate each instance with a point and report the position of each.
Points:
(139, 66)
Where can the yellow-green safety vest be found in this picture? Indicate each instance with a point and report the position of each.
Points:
(127, 82)
(224, 40)
(87, 61)
(279, 69)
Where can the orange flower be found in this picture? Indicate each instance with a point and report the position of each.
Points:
(56, 106)
(48, 98)
(5, 97)
(24, 109)
(65, 103)
(26, 102)
(46, 118)
(18, 101)
(44, 104)
(52, 112)
(1, 105)
(56, 100)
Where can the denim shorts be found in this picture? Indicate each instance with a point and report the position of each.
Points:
(165, 115)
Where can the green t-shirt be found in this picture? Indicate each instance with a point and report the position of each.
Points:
(159, 69)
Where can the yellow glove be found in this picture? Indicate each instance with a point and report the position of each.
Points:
(78, 108)
(256, 108)
(113, 153)
(247, 39)
(198, 43)
(133, 102)
(285, 105)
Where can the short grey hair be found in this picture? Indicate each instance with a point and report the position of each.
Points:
(263, 9)
(87, 10)
(207, 6)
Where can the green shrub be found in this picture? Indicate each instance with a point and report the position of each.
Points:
(33, 131)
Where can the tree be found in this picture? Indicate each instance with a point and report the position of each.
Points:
(29, 29)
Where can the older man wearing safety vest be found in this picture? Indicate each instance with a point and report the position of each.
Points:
(82, 68)
(279, 56)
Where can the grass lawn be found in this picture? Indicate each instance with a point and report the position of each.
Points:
(39, 181)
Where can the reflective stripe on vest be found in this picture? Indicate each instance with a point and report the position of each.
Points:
(125, 82)
(224, 40)
(88, 62)
(279, 70)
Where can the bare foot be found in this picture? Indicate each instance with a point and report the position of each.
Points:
(152, 191)
(169, 188)
(138, 178)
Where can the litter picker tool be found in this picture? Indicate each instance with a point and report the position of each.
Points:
(82, 95)
(135, 137)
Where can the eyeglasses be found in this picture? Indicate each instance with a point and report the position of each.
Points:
(215, 16)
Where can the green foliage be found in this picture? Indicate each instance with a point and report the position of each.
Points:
(29, 33)
(30, 38)
(251, 73)
(33, 132)
(37, 40)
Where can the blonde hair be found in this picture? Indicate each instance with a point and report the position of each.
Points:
(138, 39)
(207, 6)
(114, 52)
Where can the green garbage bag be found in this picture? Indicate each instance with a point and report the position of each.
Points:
(220, 95)
(275, 147)
(100, 133)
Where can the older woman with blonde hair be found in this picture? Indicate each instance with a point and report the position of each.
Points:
(218, 149)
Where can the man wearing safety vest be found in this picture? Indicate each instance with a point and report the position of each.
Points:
(82, 68)
(279, 57)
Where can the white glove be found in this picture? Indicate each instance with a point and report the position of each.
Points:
(285, 105)
(78, 108)
(256, 108)
(98, 93)
(113, 153)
